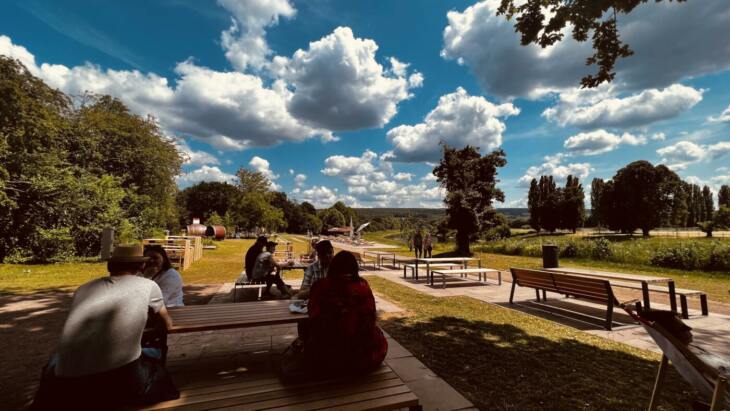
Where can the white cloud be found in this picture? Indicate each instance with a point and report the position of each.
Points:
(349, 166)
(724, 117)
(204, 173)
(599, 108)
(458, 120)
(658, 137)
(193, 157)
(299, 179)
(554, 166)
(429, 177)
(323, 197)
(244, 41)
(672, 41)
(403, 176)
(262, 166)
(683, 153)
(338, 84)
(599, 142)
(721, 179)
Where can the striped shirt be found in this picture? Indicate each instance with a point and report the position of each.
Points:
(313, 273)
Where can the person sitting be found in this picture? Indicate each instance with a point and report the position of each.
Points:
(342, 336)
(253, 252)
(99, 363)
(268, 269)
(318, 269)
(159, 270)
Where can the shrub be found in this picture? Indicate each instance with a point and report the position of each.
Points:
(53, 245)
(719, 259)
(601, 249)
(680, 256)
(569, 250)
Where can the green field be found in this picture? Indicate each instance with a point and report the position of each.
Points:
(715, 284)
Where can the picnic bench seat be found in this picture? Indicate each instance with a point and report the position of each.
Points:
(244, 282)
(682, 292)
(379, 390)
(364, 260)
(465, 272)
(413, 266)
(593, 289)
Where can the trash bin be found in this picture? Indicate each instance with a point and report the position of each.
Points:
(550, 256)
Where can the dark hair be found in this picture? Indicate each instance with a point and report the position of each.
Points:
(343, 264)
(323, 246)
(121, 267)
(262, 240)
(161, 251)
(271, 244)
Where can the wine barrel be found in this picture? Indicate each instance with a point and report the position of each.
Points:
(196, 230)
(218, 232)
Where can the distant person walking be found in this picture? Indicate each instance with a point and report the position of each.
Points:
(427, 246)
(410, 243)
(418, 243)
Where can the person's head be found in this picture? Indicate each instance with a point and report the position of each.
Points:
(158, 259)
(271, 246)
(261, 241)
(127, 259)
(344, 265)
(325, 251)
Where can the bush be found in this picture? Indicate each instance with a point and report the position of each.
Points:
(680, 256)
(601, 249)
(719, 259)
(498, 233)
(53, 245)
(569, 250)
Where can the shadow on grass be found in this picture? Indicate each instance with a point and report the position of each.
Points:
(499, 366)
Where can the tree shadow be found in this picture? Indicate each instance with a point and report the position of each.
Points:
(500, 366)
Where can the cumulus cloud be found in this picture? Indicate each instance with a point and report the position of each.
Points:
(458, 119)
(299, 180)
(194, 157)
(599, 108)
(204, 173)
(339, 85)
(554, 166)
(684, 40)
(324, 197)
(244, 41)
(724, 117)
(599, 142)
(680, 155)
(345, 166)
(262, 166)
(403, 176)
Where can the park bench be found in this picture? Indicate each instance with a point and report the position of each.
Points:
(413, 267)
(466, 272)
(243, 282)
(593, 289)
(364, 260)
(379, 390)
(682, 292)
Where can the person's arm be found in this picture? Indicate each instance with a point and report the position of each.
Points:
(165, 317)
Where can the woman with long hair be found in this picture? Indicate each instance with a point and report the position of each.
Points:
(159, 270)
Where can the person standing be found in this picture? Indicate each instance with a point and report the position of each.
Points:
(418, 243)
(427, 245)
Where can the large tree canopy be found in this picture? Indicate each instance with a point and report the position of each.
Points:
(470, 180)
(542, 22)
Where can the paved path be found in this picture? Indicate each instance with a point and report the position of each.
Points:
(711, 332)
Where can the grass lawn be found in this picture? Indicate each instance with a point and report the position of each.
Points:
(715, 284)
(503, 359)
(218, 266)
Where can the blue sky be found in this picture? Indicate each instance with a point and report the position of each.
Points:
(342, 100)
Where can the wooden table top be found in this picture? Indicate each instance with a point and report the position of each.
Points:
(379, 252)
(233, 315)
(610, 275)
(441, 259)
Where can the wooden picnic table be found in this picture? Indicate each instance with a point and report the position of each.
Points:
(644, 280)
(232, 315)
(379, 255)
(463, 260)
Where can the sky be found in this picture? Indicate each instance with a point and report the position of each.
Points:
(343, 100)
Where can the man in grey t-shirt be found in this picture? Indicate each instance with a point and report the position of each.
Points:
(99, 360)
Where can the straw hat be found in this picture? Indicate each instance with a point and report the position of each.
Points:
(128, 253)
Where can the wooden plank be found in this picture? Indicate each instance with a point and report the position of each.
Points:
(609, 275)
(361, 399)
(380, 404)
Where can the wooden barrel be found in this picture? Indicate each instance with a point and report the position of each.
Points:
(196, 230)
(218, 232)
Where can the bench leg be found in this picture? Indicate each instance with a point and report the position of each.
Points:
(404, 272)
(703, 304)
(683, 302)
(645, 294)
(672, 297)
(259, 293)
(537, 294)
(235, 291)
(544, 295)
(512, 291)
(499, 277)
(415, 408)
(718, 395)
(609, 315)
(658, 383)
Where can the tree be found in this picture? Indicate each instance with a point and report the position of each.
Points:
(708, 203)
(550, 200)
(214, 219)
(252, 181)
(204, 199)
(722, 217)
(572, 207)
(253, 212)
(723, 196)
(308, 208)
(598, 213)
(347, 212)
(584, 17)
(533, 205)
(470, 180)
(331, 217)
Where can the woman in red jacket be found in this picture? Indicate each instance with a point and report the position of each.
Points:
(342, 336)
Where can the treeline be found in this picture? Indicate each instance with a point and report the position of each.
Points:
(251, 206)
(552, 207)
(72, 166)
(643, 196)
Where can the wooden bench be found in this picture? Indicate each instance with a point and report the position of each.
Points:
(379, 390)
(243, 282)
(413, 266)
(466, 272)
(593, 289)
(363, 260)
(682, 292)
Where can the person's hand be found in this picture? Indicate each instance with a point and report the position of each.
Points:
(290, 262)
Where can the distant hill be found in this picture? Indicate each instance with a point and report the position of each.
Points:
(428, 213)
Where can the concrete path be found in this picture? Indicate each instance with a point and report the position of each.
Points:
(711, 332)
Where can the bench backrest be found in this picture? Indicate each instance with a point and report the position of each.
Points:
(590, 288)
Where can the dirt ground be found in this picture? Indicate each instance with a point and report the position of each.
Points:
(29, 328)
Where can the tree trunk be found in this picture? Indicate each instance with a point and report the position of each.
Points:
(645, 232)
(462, 243)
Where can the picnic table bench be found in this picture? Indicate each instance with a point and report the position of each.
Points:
(244, 282)
(594, 289)
(464, 261)
(465, 272)
(192, 318)
(413, 267)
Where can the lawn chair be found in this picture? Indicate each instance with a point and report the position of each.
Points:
(707, 373)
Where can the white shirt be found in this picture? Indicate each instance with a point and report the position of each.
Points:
(104, 328)
(171, 284)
